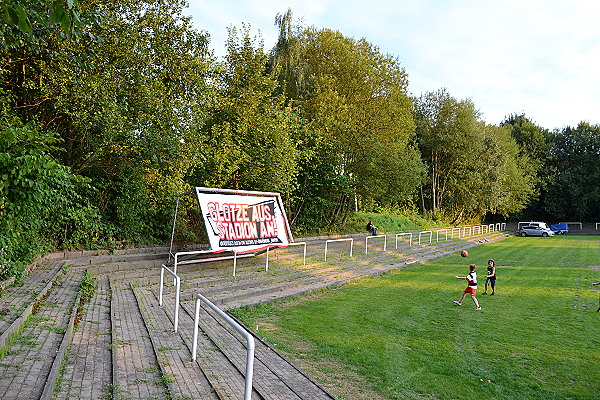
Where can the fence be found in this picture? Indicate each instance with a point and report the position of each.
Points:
(465, 231)
(452, 233)
(375, 236)
(339, 240)
(177, 290)
(249, 340)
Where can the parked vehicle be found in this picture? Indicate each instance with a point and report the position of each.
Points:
(560, 229)
(535, 229)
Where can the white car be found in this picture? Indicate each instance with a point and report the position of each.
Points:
(535, 229)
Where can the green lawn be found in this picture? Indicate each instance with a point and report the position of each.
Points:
(401, 336)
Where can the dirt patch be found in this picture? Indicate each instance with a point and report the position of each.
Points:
(335, 378)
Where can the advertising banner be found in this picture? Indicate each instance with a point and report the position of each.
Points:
(243, 221)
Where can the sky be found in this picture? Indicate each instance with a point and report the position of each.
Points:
(540, 58)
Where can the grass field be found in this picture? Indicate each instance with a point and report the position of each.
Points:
(400, 336)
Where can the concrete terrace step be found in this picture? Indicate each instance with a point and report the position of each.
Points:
(188, 379)
(25, 368)
(87, 370)
(17, 301)
(135, 363)
(274, 376)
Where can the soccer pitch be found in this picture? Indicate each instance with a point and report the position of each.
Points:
(400, 335)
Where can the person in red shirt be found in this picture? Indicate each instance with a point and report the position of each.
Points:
(471, 279)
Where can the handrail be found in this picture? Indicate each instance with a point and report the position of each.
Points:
(375, 236)
(291, 244)
(465, 231)
(403, 234)
(177, 291)
(189, 253)
(430, 236)
(452, 233)
(437, 234)
(249, 340)
(339, 240)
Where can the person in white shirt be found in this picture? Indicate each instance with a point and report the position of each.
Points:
(471, 279)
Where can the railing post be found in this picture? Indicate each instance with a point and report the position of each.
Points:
(234, 262)
(162, 279)
(267, 263)
(249, 341)
(195, 340)
(304, 259)
(177, 290)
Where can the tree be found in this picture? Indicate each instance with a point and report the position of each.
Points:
(126, 107)
(573, 192)
(249, 131)
(474, 168)
(534, 148)
(357, 99)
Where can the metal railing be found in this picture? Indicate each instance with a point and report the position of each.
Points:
(235, 256)
(404, 234)
(249, 340)
(452, 233)
(339, 240)
(478, 229)
(430, 236)
(465, 231)
(375, 236)
(437, 234)
(291, 244)
(177, 291)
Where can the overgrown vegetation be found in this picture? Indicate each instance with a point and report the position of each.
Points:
(403, 335)
(109, 110)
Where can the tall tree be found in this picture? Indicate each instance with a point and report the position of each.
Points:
(249, 131)
(573, 192)
(474, 168)
(357, 98)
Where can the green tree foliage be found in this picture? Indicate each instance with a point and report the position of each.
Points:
(573, 191)
(249, 132)
(474, 168)
(42, 204)
(356, 99)
(31, 23)
(125, 107)
(533, 143)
